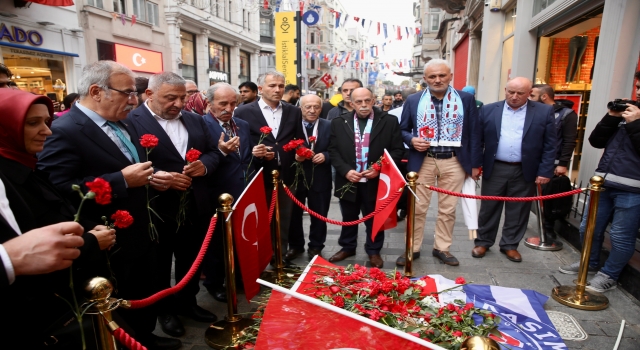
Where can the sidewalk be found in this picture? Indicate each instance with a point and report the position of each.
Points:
(537, 271)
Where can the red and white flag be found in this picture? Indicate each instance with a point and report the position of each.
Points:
(391, 182)
(252, 234)
(327, 80)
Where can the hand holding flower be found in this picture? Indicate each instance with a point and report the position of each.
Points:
(106, 236)
(161, 180)
(318, 158)
(195, 169)
(137, 175)
(180, 182)
(370, 173)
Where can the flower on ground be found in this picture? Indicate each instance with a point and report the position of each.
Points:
(460, 280)
(102, 190)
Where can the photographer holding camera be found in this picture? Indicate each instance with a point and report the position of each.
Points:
(619, 134)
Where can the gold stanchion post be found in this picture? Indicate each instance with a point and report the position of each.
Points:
(577, 297)
(411, 223)
(98, 290)
(223, 334)
(276, 225)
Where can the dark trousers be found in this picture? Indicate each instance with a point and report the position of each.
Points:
(577, 47)
(402, 166)
(183, 244)
(318, 202)
(351, 212)
(506, 181)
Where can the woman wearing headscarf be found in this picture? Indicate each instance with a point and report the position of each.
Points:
(34, 308)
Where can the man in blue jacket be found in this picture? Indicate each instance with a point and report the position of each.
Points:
(619, 134)
(439, 126)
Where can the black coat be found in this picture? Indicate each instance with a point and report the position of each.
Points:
(290, 128)
(321, 174)
(385, 133)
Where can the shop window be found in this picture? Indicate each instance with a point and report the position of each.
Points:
(218, 57)
(188, 57)
(119, 6)
(539, 5)
(245, 67)
(95, 3)
(146, 11)
(37, 75)
(106, 51)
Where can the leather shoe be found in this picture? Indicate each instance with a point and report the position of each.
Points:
(313, 252)
(445, 257)
(402, 259)
(512, 254)
(219, 294)
(479, 251)
(171, 325)
(376, 261)
(293, 253)
(341, 255)
(154, 342)
(197, 313)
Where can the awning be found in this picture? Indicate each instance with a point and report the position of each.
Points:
(32, 50)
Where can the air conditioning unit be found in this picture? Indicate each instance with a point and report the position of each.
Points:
(494, 5)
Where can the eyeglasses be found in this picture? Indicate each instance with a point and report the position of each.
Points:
(132, 94)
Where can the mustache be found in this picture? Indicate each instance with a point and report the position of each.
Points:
(128, 108)
(363, 109)
(224, 112)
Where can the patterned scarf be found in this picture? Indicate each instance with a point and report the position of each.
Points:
(448, 130)
(362, 143)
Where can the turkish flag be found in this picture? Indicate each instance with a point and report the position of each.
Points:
(252, 234)
(391, 182)
(327, 80)
(54, 2)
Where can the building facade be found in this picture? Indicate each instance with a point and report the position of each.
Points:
(43, 46)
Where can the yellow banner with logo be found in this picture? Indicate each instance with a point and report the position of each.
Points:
(286, 47)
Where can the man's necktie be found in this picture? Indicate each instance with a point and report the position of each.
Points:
(228, 130)
(125, 141)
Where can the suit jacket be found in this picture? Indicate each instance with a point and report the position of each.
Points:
(469, 152)
(166, 157)
(78, 151)
(538, 139)
(290, 128)
(231, 176)
(321, 174)
(385, 133)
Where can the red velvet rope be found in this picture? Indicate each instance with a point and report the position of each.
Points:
(341, 223)
(507, 199)
(135, 304)
(272, 207)
(126, 340)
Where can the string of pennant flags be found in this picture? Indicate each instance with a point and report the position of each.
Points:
(359, 60)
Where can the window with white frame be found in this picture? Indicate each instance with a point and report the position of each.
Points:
(433, 17)
(95, 3)
(146, 11)
(119, 6)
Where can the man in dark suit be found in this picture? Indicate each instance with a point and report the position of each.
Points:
(357, 141)
(285, 122)
(442, 149)
(185, 219)
(317, 172)
(519, 139)
(92, 141)
(234, 142)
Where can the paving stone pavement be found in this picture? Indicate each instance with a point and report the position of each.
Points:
(538, 271)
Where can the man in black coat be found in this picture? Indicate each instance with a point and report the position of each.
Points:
(185, 208)
(285, 122)
(366, 133)
(92, 141)
(317, 173)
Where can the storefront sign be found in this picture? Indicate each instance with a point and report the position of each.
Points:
(286, 46)
(18, 35)
(23, 52)
(139, 60)
(218, 76)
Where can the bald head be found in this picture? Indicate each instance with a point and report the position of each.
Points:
(517, 91)
(311, 106)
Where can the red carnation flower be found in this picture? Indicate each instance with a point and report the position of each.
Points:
(376, 166)
(312, 139)
(491, 316)
(338, 301)
(457, 318)
(457, 334)
(451, 307)
(334, 289)
(122, 219)
(148, 141)
(265, 130)
(192, 155)
(102, 190)
(460, 280)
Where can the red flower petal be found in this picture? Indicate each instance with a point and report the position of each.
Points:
(148, 141)
(122, 219)
(192, 155)
(102, 189)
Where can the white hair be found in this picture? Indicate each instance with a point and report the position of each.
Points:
(187, 81)
(272, 73)
(435, 62)
(156, 80)
(99, 73)
(211, 91)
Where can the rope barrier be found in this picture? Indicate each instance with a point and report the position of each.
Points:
(272, 207)
(341, 223)
(135, 304)
(507, 199)
(126, 340)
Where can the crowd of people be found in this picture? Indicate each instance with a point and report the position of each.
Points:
(444, 134)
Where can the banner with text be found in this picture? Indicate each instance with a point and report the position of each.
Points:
(286, 46)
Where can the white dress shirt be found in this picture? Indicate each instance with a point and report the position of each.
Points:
(176, 131)
(511, 130)
(7, 214)
(273, 116)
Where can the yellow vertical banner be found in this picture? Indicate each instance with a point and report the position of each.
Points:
(286, 47)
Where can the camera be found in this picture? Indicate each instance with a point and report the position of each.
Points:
(620, 104)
